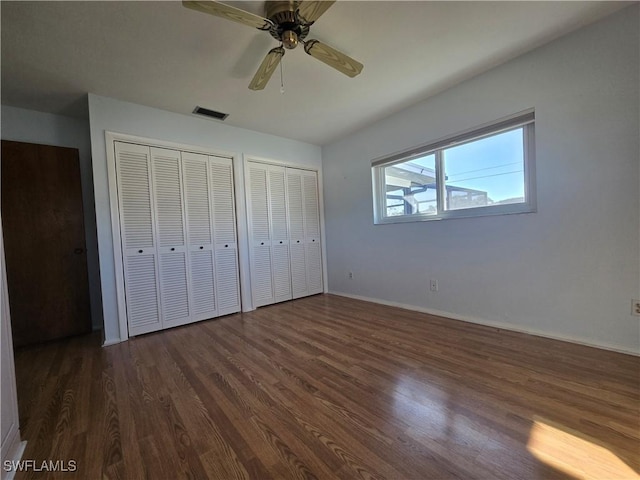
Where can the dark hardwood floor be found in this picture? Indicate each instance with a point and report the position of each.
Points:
(329, 387)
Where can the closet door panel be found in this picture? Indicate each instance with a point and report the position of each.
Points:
(167, 181)
(143, 312)
(311, 210)
(261, 282)
(227, 280)
(135, 198)
(296, 228)
(278, 204)
(170, 220)
(281, 273)
(314, 268)
(203, 284)
(224, 215)
(199, 235)
(295, 204)
(174, 289)
(260, 234)
(259, 204)
(224, 233)
(312, 232)
(198, 206)
(298, 271)
(280, 259)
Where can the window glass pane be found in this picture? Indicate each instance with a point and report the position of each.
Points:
(410, 187)
(489, 171)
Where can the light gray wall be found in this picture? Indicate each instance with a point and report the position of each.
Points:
(571, 269)
(107, 114)
(30, 126)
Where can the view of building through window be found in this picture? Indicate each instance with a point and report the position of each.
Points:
(482, 172)
(411, 187)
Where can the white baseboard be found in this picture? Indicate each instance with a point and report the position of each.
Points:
(14, 454)
(108, 343)
(490, 323)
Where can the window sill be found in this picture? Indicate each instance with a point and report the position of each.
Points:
(519, 208)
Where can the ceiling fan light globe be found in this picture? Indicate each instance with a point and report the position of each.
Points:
(289, 39)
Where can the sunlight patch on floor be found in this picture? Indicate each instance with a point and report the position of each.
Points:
(574, 454)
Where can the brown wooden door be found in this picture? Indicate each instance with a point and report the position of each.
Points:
(44, 241)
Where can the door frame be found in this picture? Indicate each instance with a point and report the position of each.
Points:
(110, 139)
(248, 301)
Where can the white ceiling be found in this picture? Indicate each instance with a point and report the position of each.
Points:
(163, 55)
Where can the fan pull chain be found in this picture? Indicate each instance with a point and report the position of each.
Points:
(281, 78)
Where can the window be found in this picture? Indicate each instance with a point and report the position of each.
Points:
(485, 171)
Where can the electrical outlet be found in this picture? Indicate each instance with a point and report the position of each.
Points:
(433, 285)
(350, 275)
(635, 308)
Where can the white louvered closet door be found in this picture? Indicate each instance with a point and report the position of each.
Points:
(224, 235)
(260, 234)
(312, 232)
(280, 259)
(170, 221)
(135, 198)
(284, 219)
(296, 230)
(201, 261)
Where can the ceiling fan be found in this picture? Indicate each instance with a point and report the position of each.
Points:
(287, 21)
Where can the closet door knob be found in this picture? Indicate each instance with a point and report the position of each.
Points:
(173, 249)
(261, 243)
(313, 240)
(280, 241)
(297, 241)
(201, 248)
(226, 246)
(139, 251)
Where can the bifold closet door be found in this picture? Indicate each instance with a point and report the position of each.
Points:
(295, 202)
(195, 172)
(280, 259)
(270, 274)
(178, 232)
(304, 223)
(313, 248)
(284, 219)
(261, 282)
(224, 235)
(170, 221)
(137, 227)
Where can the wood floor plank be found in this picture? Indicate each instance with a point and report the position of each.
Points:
(330, 387)
(126, 404)
(232, 425)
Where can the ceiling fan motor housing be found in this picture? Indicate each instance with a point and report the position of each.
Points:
(288, 28)
(287, 21)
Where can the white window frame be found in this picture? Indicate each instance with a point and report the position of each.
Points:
(524, 120)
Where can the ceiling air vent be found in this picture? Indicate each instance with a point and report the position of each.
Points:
(210, 113)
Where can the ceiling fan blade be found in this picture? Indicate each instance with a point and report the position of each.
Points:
(311, 10)
(266, 69)
(333, 58)
(230, 13)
